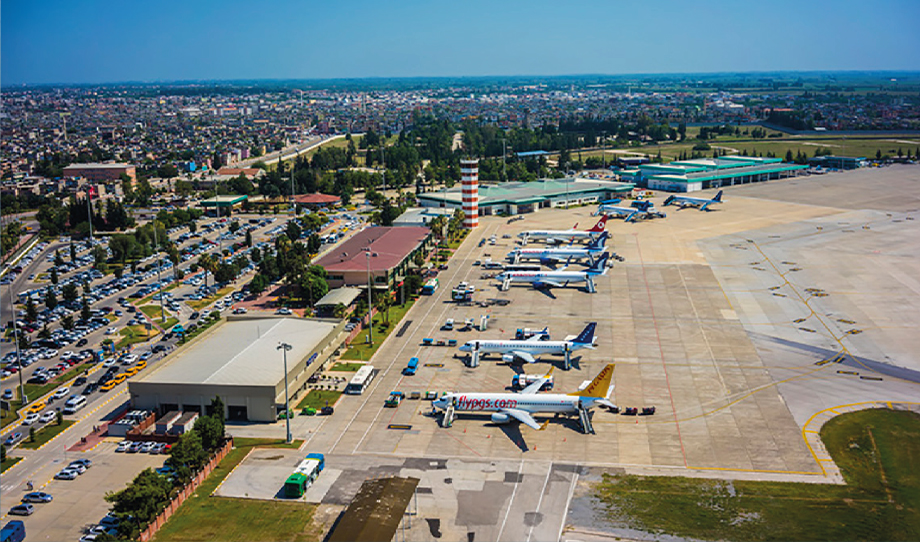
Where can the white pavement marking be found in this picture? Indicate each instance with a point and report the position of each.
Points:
(518, 482)
(568, 501)
(540, 502)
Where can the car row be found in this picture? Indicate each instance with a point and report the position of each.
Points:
(134, 447)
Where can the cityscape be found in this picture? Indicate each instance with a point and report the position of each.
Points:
(350, 285)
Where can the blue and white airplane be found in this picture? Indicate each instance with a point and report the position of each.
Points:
(567, 254)
(556, 279)
(686, 201)
(529, 349)
(638, 210)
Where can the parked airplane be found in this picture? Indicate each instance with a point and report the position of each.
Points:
(558, 278)
(522, 406)
(529, 349)
(686, 201)
(638, 210)
(569, 253)
(566, 236)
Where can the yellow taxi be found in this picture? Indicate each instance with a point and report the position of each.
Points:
(36, 407)
(119, 378)
(132, 371)
(108, 385)
(141, 365)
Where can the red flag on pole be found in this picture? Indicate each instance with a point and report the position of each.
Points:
(92, 191)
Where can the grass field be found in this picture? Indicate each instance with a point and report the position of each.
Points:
(9, 462)
(876, 450)
(203, 517)
(45, 434)
(363, 352)
(319, 398)
(153, 311)
(346, 367)
(198, 305)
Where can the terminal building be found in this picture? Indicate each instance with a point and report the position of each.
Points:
(528, 197)
(381, 252)
(837, 162)
(703, 173)
(239, 361)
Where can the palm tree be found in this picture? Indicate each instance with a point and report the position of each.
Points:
(382, 304)
(207, 262)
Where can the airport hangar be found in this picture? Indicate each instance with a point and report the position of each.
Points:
(527, 197)
(703, 173)
(239, 361)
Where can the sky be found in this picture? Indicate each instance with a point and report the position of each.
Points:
(109, 41)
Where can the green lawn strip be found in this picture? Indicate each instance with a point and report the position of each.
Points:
(319, 398)
(9, 462)
(362, 352)
(10, 416)
(869, 507)
(347, 367)
(149, 298)
(198, 305)
(45, 434)
(34, 391)
(153, 311)
(203, 517)
(135, 334)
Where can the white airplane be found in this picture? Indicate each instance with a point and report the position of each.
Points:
(569, 253)
(529, 349)
(686, 201)
(638, 210)
(568, 236)
(522, 406)
(559, 278)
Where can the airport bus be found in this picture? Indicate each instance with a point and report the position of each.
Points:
(430, 287)
(303, 476)
(361, 380)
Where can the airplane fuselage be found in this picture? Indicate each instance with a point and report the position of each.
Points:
(559, 235)
(538, 276)
(554, 253)
(533, 404)
(535, 348)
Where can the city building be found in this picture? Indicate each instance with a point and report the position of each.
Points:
(239, 361)
(528, 197)
(703, 173)
(100, 172)
(421, 216)
(383, 252)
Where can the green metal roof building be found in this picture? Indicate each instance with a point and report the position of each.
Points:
(527, 197)
(700, 174)
(223, 202)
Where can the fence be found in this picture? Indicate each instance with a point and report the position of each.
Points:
(185, 493)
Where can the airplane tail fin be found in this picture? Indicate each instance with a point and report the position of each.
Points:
(587, 334)
(600, 265)
(718, 197)
(599, 243)
(669, 200)
(601, 386)
(600, 226)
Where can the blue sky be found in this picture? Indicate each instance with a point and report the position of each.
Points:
(98, 41)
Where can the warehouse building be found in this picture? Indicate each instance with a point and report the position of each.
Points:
(528, 197)
(384, 253)
(239, 361)
(704, 173)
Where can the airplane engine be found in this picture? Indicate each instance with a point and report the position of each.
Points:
(508, 358)
(499, 417)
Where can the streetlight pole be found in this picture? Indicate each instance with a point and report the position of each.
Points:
(284, 347)
(504, 152)
(156, 251)
(370, 299)
(23, 399)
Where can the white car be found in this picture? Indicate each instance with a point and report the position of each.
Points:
(111, 331)
(110, 362)
(30, 419)
(80, 469)
(129, 359)
(61, 393)
(47, 417)
(123, 446)
(67, 474)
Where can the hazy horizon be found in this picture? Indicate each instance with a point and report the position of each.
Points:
(56, 42)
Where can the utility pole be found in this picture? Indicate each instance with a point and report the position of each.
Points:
(156, 252)
(293, 202)
(370, 299)
(504, 152)
(604, 148)
(23, 399)
(284, 347)
(89, 211)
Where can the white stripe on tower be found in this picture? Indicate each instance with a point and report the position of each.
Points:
(469, 183)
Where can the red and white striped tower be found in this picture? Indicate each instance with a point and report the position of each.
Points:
(469, 182)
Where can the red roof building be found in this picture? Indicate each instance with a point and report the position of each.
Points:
(317, 201)
(250, 173)
(390, 250)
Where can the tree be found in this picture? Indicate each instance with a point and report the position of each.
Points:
(258, 284)
(192, 226)
(293, 231)
(207, 262)
(54, 276)
(248, 239)
(51, 300)
(142, 500)
(31, 311)
(187, 456)
(84, 310)
(67, 322)
(44, 333)
(210, 429)
(234, 226)
(69, 292)
(382, 303)
(58, 259)
(58, 418)
(789, 156)
(217, 411)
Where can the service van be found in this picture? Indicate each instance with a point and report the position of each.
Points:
(74, 404)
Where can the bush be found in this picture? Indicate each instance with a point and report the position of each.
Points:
(702, 146)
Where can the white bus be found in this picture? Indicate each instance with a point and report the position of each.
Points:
(361, 380)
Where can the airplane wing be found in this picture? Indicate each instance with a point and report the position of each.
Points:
(535, 386)
(550, 282)
(526, 356)
(525, 418)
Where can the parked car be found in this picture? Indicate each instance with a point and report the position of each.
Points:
(66, 474)
(30, 419)
(123, 446)
(22, 510)
(12, 439)
(37, 497)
